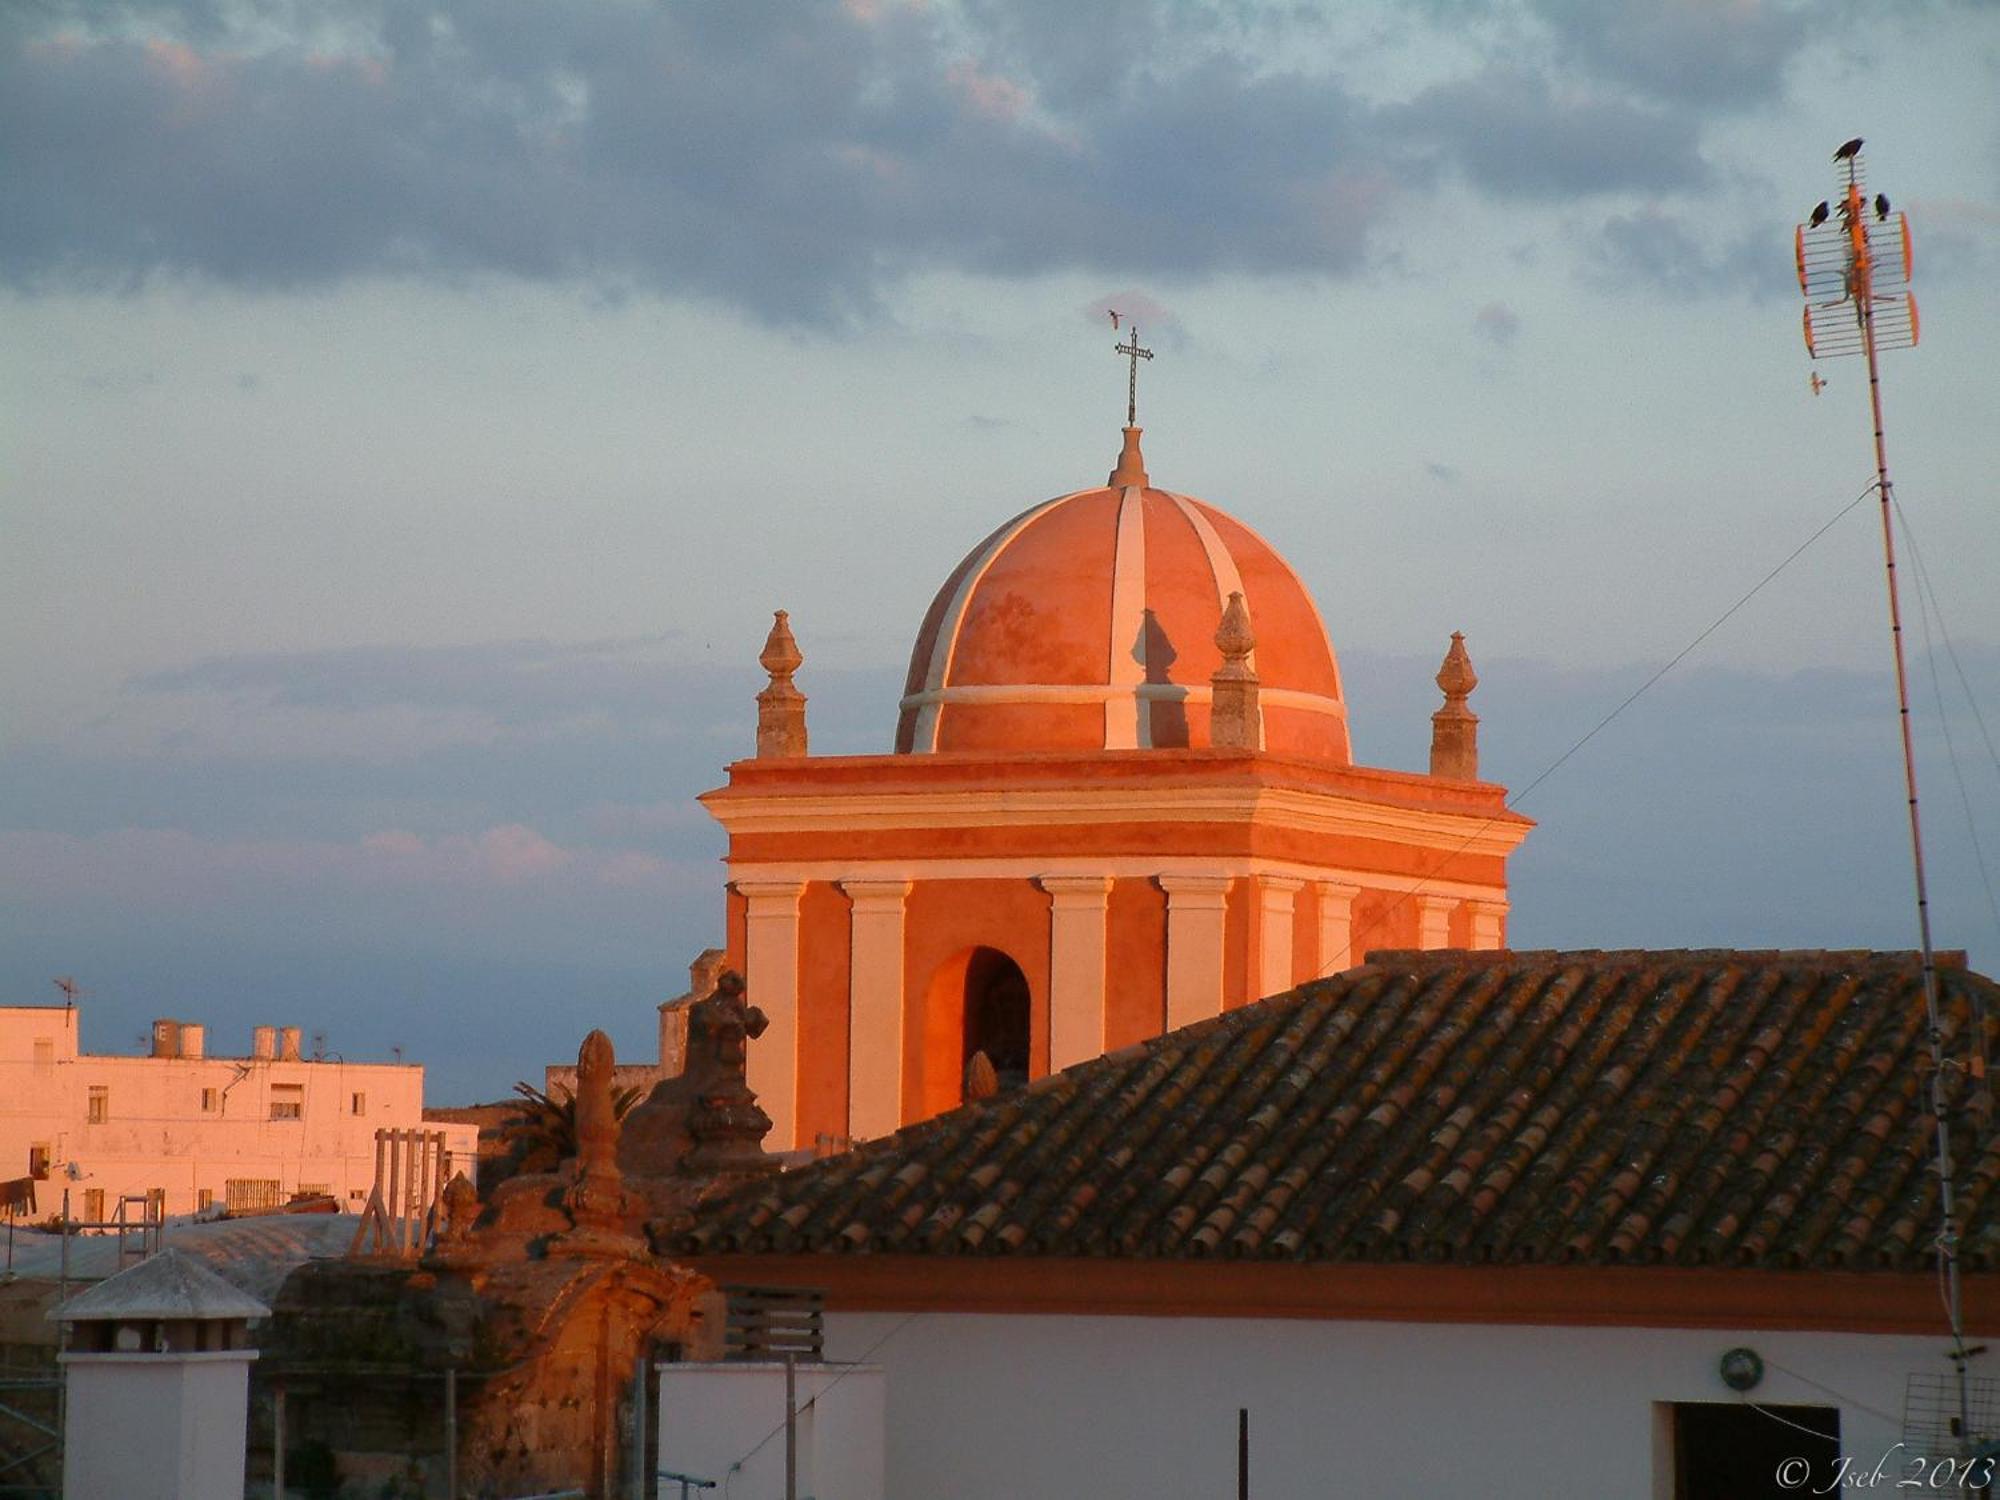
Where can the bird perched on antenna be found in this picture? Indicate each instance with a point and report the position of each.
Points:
(1881, 208)
(1819, 214)
(1114, 320)
(1848, 150)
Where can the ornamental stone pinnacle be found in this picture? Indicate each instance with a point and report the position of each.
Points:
(1235, 722)
(781, 707)
(1455, 727)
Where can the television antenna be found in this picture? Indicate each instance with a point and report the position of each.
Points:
(1854, 262)
(70, 990)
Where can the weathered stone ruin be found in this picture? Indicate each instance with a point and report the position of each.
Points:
(534, 1307)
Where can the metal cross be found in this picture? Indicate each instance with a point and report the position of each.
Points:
(1132, 383)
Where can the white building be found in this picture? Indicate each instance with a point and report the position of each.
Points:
(186, 1130)
(1520, 1225)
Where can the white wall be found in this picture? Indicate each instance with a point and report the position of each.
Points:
(715, 1416)
(155, 1427)
(1001, 1407)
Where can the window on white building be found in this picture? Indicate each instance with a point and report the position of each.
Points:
(93, 1205)
(359, 1104)
(204, 1198)
(38, 1161)
(45, 1053)
(211, 1101)
(288, 1101)
(1725, 1450)
(100, 1104)
(315, 1190)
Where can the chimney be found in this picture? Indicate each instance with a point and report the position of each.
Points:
(263, 1043)
(288, 1044)
(166, 1039)
(194, 1040)
(781, 707)
(1455, 727)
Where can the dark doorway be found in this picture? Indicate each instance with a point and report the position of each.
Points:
(1730, 1450)
(996, 1015)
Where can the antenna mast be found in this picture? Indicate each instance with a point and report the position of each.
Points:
(1854, 269)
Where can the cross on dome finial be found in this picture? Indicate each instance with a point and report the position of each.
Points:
(1134, 353)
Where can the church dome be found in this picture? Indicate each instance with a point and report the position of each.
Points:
(1088, 623)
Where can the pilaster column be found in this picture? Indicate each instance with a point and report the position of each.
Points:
(1276, 895)
(1434, 921)
(875, 1006)
(1336, 926)
(1196, 905)
(1489, 924)
(771, 982)
(1077, 912)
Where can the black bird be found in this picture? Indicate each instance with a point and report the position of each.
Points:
(1848, 150)
(1819, 214)
(1881, 208)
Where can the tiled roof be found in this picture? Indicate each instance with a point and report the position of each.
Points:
(1678, 1108)
(172, 1284)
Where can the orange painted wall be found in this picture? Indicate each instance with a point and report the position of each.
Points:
(1239, 943)
(941, 920)
(1384, 919)
(735, 932)
(1305, 934)
(824, 940)
(1135, 963)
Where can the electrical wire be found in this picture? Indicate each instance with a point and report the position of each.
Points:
(1927, 596)
(1927, 606)
(1765, 1411)
(729, 1474)
(1819, 1385)
(1343, 959)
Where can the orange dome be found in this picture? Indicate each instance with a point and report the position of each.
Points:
(1088, 623)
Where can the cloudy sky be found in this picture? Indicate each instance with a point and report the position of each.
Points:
(412, 411)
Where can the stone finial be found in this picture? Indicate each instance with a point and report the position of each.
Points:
(726, 1123)
(1455, 727)
(1131, 462)
(596, 1200)
(458, 1209)
(781, 707)
(1235, 721)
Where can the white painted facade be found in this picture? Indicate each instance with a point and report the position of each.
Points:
(993, 1407)
(715, 1417)
(175, 1424)
(194, 1129)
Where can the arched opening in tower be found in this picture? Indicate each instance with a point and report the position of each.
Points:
(996, 1016)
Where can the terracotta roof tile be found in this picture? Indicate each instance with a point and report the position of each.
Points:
(1670, 1108)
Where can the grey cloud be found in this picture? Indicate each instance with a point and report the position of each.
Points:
(1508, 133)
(785, 159)
(512, 682)
(1656, 249)
(793, 162)
(1497, 323)
(523, 687)
(1728, 56)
